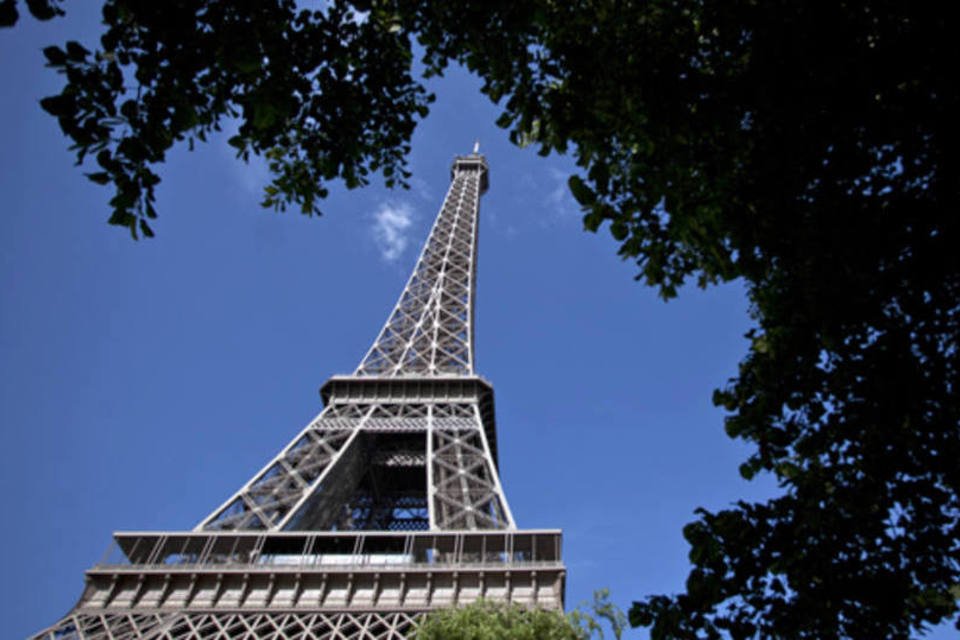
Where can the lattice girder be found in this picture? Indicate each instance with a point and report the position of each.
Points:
(324, 468)
(369, 625)
(269, 497)
(430, 331)
(322, 479)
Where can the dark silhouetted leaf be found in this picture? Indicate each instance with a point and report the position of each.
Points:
(100, 177)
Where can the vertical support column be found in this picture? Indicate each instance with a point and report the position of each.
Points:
(431, 485)
(494, 475)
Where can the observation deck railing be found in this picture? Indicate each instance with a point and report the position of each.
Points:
(320, 551)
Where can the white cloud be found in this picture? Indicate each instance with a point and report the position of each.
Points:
(391, 226)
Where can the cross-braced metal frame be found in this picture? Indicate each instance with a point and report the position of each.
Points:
(404, 451)
(430, 331)
(239, 625)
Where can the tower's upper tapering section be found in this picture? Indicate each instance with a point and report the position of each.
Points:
(430, 331)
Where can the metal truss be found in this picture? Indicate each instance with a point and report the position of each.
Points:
(304, 585)
(464, 487)
(442, 474)
(386, 505)
(418, 463)
(233, 626)
(430, 331)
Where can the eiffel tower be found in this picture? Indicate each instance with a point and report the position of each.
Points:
(387, 505)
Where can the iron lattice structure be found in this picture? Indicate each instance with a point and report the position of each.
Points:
(385, 506)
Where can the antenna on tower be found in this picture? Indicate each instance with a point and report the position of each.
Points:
(476, 146)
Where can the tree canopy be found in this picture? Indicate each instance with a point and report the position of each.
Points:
(484, 620)
(488, 620)
(809, 149)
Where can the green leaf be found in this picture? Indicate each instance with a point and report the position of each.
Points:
(264, 115)
(122, 218)
(600, 175)
(788, 470)
(105, 160)
(619, 230)
(8, 13)
(44, 9)
(100, 177)
(59, 106)
(248, 63)
(76, 51)
(129, 109)
(592, 221)
(55, 56)
(581, 192)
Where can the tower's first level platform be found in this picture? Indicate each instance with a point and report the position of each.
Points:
(222, 584)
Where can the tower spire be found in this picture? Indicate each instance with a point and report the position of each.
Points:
(430, 331)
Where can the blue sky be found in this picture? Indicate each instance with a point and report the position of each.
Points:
(141, 383)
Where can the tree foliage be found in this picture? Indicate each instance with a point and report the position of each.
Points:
(809, 149)
(484, 620)
(40, 9)
(321, 94)
(487, 620)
